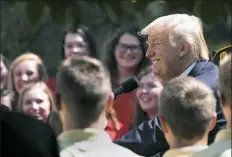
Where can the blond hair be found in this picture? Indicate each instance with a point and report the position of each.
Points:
(38, 85)
(25, 57)
(182, 27)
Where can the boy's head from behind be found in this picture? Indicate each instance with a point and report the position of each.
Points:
(187, 109)
(84, 86)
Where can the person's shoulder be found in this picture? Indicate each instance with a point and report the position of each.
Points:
(23, 123)
(207, 72)
(111, 150)
(214, 150)
(123, 151)
(26, 135)
(226, 153)
(206, 68)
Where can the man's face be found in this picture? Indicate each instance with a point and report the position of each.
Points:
(164, 56)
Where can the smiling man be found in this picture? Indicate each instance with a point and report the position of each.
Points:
(176, 47)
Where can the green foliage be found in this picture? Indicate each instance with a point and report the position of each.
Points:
(210, 11)
(37, 26)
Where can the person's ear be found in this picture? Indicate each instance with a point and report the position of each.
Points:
(164, 125)
(185, 48)
(213, 122)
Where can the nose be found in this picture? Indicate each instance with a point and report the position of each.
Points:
(149, 52)
(25, 77)
(144, 90)
(128, 52)
(75, 49)
(35, 106)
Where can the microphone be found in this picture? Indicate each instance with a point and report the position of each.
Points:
(127, 86)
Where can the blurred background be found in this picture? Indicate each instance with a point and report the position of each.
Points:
(38, 26)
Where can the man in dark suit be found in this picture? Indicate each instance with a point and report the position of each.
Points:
(24, 136)
(176, 48)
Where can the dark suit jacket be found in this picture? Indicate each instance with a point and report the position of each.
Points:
(24, 136)
(148, 139)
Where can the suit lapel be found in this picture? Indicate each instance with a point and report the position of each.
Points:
(198, 68)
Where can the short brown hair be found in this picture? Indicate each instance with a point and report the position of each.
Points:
(225, 80)
(84, 86)
(188, 106)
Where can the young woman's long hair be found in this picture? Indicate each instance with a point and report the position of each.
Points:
(42, 71)
(109, 58)
(84, 32)
(111, 64)
(54, 118)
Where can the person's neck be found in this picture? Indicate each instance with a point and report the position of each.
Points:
(185, 66)
(100, 124)
(152, 115)
(69, 124)
(125, 73)
(186, 143)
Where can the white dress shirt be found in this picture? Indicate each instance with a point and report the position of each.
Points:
(187, 71)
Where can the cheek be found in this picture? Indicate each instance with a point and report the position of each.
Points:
(16, 80)
(67, 54)
(118, 56)
(46, 107)
(139, 55)
(117, 53)
(35, 76)
(26, 108)
(138, 93)
(155, 93)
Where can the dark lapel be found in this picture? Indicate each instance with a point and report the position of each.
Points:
(198, 68)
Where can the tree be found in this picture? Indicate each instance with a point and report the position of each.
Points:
(209, 11)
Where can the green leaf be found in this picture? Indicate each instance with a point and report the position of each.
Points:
(34, 11)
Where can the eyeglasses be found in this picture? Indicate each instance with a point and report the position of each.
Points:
(71, 46)
(133, 48)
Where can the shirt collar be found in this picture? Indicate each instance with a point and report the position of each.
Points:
(187, 71)
(69, 138)
(223, 135)
(184, 151)
(157, 122)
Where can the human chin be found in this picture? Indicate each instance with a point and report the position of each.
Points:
(129, 64)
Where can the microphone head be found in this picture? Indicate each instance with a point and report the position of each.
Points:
(130, 84)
